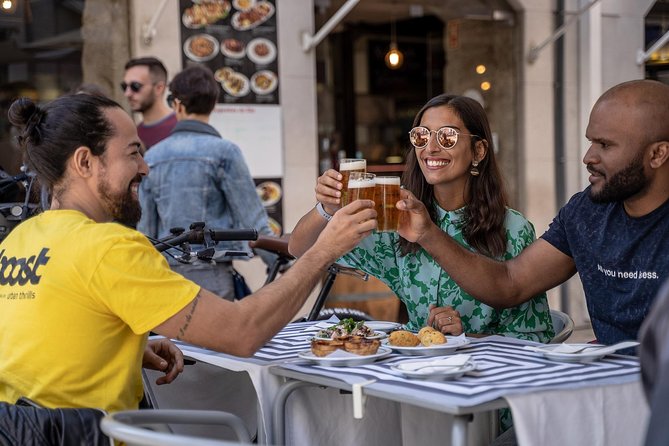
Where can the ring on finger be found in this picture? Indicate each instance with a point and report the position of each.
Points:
(450, 319)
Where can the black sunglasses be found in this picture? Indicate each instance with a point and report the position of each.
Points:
(134, 86)
(170, 100)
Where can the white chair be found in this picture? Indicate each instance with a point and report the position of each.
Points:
(563, 326)
(134, 427)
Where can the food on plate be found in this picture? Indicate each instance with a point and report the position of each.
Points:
(233, 45)
(323, 347)
(361, 346)
(425, 330)
(269, 192)
(432, 337)
(346, 328)
(206, 12)
(235, 84)
(222, 74)
(201, 46)
(261, 49)
(253, 16)
(403, 338)
(274, 226)
(243, 4)
(263, 81)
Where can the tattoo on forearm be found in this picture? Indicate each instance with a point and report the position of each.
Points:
(189, 317)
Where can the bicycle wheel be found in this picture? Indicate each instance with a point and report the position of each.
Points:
(344, 313)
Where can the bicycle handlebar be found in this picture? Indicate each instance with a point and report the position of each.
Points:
(198, 236)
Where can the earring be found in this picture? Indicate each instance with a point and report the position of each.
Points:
(474, 171)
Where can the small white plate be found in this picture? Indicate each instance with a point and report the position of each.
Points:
(343, 361)
(452, 344)
(201, 57)
(443, 374)
(236, 85)
(238, 18)
(266, 48)
(230, 52)
(583, 357)
(376, 335)
(385, 326)
(268, 85)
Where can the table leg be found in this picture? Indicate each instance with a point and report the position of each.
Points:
(460, 427)
(279, 410)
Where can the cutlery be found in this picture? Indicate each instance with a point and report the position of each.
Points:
(580, 349)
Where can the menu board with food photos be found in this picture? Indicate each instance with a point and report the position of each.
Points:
(271, 193)
(237, 40)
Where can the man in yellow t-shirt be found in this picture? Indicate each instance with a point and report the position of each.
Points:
(79, 292)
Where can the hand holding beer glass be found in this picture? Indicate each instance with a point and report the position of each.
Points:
(386, 195)
(361, 186)
(346, 167)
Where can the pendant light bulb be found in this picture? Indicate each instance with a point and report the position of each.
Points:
(394, 57)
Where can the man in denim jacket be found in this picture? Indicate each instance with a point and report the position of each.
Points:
(196, 175)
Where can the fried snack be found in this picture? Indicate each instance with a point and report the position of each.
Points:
(361, 346)
(425, 330)
(323, 347)
(432, 337)
(403, 338)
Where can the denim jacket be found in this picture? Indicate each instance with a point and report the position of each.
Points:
(196, 175)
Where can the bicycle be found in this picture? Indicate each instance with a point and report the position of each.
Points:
(14, 212)
(198, 234)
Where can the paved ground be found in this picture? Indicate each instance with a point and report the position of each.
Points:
(582, 333)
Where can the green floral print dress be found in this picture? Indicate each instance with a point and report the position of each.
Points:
(419, 281)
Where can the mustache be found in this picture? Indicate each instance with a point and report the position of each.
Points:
(592, 170)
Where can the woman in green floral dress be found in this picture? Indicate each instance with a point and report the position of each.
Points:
(452, 170)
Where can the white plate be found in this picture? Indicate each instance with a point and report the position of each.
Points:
(445, 374)
(238, 24)
(376, 335)
(187, 17)
(264, 89)
(384, 326)
(454, 342)
(243, 5)
(230, 85)
(230, 53)
(261, 44)
(587, 356)
(269, 193)
(352, 360)
(201, 58)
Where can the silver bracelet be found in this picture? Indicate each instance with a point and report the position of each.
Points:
(322, 212)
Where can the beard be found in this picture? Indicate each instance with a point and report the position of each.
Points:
(624, 184)
(123, 207)
(146, 104)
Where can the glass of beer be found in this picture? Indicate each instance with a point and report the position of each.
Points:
(361, 186)
(386, 194)
(346, 166)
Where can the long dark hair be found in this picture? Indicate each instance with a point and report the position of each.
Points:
(486, 200)
(49, 135)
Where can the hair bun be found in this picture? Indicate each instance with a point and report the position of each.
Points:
(21, 111)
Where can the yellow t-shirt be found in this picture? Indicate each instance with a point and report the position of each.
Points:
(77, 299)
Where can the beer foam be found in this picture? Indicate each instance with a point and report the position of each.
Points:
(360, 183)
(354, 165)
(388, 180)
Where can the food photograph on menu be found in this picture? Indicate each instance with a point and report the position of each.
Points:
(237, 40)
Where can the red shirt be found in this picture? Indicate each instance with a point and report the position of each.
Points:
(151, 134)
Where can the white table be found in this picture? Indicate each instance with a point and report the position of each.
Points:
(506, 371)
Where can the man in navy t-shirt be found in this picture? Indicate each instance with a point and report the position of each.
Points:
(614, 234)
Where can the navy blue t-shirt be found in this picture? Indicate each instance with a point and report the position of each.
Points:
(622, 261)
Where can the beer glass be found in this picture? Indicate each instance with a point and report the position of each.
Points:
(346, 166)
(386, 194)
(361, 186)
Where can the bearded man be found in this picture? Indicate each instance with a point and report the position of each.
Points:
(614, 233)
(144, 84)
(80, 292)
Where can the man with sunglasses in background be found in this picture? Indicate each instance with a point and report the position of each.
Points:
(196, 175)
(144, 84)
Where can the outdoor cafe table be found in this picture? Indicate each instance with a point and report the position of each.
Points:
(605, 394)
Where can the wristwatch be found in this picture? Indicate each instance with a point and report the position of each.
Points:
(322, 212)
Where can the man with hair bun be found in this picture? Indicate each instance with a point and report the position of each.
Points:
(79, 291)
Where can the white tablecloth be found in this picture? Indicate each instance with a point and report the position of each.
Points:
(612, 415)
